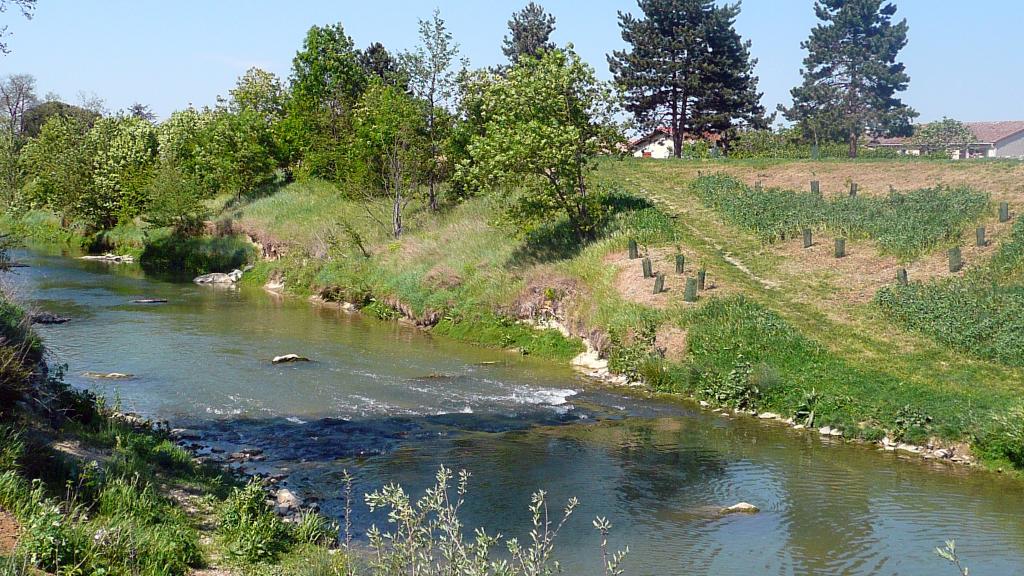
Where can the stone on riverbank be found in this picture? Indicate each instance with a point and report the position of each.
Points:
(219, 277)
(114, 258)
(286, 502)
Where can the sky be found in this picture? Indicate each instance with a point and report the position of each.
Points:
(964, 58)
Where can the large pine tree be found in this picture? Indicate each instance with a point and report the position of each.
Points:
(530, 32)
(687, 68)
(851, 76)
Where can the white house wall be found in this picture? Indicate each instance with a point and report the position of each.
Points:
(1012, 147)
(658, 148)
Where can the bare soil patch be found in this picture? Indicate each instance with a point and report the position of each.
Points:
(1004, 182)
(9, 531)
(671, 343)
(75, 449)
(856, 277)
(631, 284)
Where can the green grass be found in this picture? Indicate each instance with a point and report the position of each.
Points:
(981, 314)
(906, 224)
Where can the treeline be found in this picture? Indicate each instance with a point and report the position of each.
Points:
(420, 124)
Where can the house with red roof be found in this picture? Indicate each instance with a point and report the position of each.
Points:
(994, 140)
(659, 144)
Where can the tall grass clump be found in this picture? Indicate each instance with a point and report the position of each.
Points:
(905, 224)
(251, 531)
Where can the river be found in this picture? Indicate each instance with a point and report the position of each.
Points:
(390, 404)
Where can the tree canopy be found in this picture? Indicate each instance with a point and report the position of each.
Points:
(529, 33)
(687, 69)
(851, 75)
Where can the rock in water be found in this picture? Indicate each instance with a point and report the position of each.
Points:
(741, 508)
(108, 375)
(219, 277)
(48, 318)
(289, 358)
(150, 301)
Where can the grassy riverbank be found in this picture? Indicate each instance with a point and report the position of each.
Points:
(780, 328)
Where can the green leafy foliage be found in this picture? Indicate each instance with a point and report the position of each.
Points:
(906, 224)
(251, 530)
(545, 122)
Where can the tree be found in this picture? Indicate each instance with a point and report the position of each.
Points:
(377, 62)
(687, 68)
(175, 201)
(26, 7)
(530, 30)
(326, 83)
(36, 116)
(142, 112)
(124, 149)
(58, 164)
(433, 80)
(261, 92)
(944, 135)
(851, 75)
(389, 139)
(544, 123)
(17, 94)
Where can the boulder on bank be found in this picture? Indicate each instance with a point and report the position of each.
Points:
(114, 258)
(219, 277)
(287, 358)
(48, 318)
(741, 508)
(287, 503)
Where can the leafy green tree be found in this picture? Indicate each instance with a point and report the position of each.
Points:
(851, 74)
(432, 79)
(944, 135)
(182, 144)
(529, 33)
(687, 68)
(59, 165)
(239, 152)
(259, 91)
(38, 115)
(175, 201)
(392, 146)
(124, 152)
(326, 83)
(544, 123)
(470, 123)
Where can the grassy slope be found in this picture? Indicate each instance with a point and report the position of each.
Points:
(866, 371)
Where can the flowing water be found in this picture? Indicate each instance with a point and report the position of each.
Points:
(391, 404)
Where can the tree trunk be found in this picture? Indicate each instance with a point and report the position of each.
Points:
(853, 145)
(396, 215)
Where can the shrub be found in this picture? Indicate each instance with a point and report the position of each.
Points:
(1004, 437)
(251, 531)
(193, 256)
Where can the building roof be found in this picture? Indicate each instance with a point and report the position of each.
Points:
(985, 132)
(994, 132)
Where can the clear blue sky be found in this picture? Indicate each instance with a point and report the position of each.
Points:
(964, 58)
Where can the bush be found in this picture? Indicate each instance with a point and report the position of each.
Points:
(1004, 437)
(251, 531)
(192, 256)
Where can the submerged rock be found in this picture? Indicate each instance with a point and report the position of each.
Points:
(286, 358)
(741, 508)
(108, 375)
(219, 277)
(48, 318)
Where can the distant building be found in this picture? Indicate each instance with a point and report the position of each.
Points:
(658, 144)
(994, 140)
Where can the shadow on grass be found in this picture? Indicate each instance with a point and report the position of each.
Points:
(261, 191)
(558, 240)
